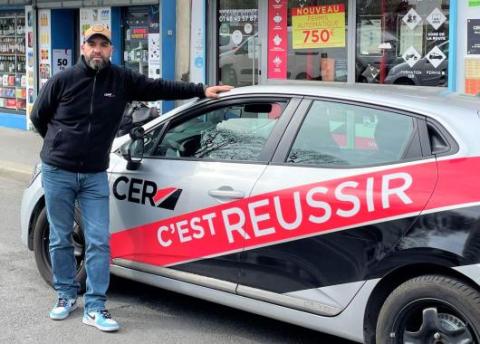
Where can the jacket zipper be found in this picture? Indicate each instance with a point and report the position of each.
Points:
(93, 94)
(89, 129)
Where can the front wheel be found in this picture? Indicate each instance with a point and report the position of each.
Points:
(430, 309)
(42, 254)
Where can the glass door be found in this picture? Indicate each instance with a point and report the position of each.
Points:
(141, 31)
(238, 43)
(307, 40)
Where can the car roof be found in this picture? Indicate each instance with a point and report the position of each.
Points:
(437, 102)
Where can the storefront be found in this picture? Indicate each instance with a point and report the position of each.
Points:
(362, 41)
(49, 40)
(12, 67)
(245, 42)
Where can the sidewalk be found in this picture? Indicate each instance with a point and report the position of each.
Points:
(19, 152)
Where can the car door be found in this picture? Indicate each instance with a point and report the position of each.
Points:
(167, 213)
(346, 183)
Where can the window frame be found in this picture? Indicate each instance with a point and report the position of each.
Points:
(286, 144)
(453, 146)
(292, 102)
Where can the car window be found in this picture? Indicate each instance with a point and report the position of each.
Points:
(235, 132)
(350, 135)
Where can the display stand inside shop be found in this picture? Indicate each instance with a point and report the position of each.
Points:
(12, 61)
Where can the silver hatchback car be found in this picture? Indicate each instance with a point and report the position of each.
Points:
(349, 209)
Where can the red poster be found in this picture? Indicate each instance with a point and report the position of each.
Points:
(277, 39)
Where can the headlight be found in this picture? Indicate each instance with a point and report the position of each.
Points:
(36, 171)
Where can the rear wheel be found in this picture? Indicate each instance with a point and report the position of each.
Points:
(42, 254)
(430, 309)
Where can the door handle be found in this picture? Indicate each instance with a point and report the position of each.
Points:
(226, 192)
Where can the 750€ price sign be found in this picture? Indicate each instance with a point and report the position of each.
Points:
(318, 27)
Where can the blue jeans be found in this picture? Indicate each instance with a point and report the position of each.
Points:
(91, 191)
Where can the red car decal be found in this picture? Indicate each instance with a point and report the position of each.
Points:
(300, 212)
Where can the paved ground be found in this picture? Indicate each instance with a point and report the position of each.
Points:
(147, 314)
(19, 151)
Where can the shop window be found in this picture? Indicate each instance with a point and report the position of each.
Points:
(400, 42)
(12, 60)
(238, 44)
(307, 40)
(142, 39)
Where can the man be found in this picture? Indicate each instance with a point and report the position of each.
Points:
(78, 113)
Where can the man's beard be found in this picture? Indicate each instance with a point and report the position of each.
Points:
(96, 64)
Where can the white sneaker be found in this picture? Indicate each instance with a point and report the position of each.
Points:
(63, 308)
(101, 320)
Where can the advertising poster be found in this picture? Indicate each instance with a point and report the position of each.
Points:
(197, 34)
(410, 38)
(473, 36)
(62, 58)
(474, 3)
(30, 61)
(238, 46)
(44, 46)
(318, 27)
(154, 62)
(472, 76)
(370, 35)
(236, 26)
(90, 16)
(277, 39)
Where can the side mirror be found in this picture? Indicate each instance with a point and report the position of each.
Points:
(134, 153)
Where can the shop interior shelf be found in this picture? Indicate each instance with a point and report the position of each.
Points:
(9, 97)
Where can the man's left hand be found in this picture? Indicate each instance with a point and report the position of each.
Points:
(214, 91)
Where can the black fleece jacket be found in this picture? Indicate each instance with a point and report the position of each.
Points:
(78, 111)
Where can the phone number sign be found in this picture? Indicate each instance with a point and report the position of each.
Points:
(318, 27)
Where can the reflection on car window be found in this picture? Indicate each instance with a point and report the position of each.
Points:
(236, 132)
(349, 135)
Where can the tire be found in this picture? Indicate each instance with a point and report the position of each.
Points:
(430, 309)
(42, 254)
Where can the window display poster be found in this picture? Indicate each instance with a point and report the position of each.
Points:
(472, 76)
(474, 3)
(410, 38)
(154, 62)
(277, 39)
(473, 36)
(30, 61)
(318, 27)
(197, 34)
(90, 16)
(370, 35)
(237, 25)
(44, 46)
(62, 58)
